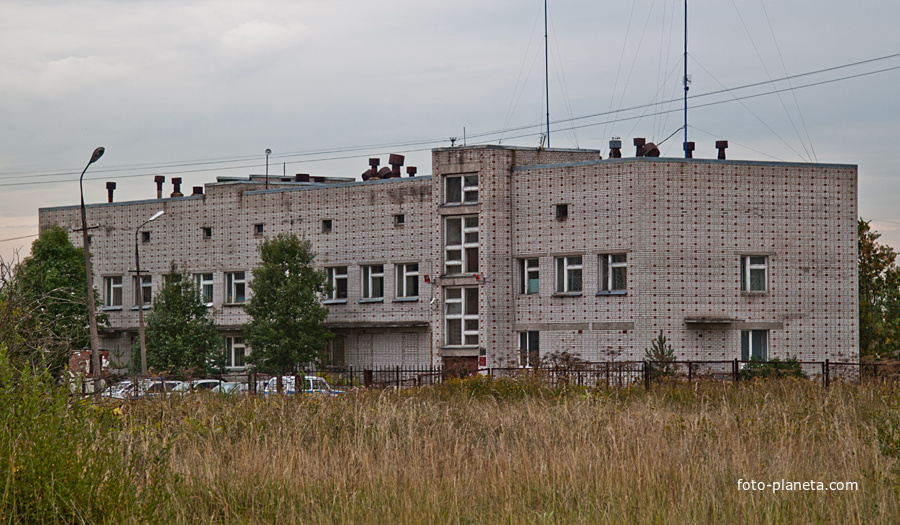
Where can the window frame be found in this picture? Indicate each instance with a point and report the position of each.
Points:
(202, 282)
(608, 267)
(565, 265)
(747, 267)
(370, 277)
(403, 273)
(110, 288)
(525, 281)
(529, 349)
(233, 343)
(231, 284)
(748, 338)
(467, 264)
(332, 276)
(145, 289)
(466, 189)
(259, 229)
(468, 312)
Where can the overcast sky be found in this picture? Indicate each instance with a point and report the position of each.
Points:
(201, 88)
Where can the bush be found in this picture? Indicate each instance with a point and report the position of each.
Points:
(64, 460)
(772, 368)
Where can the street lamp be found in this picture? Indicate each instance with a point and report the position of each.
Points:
(89, 274)
(268, 152)
(140, 291)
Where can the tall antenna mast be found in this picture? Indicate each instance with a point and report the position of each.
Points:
(546, 73)
(686, 80)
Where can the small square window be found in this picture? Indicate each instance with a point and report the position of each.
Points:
(145, 236)
(562, 212)
(207, 233)
(326, 225)
(257, 229)
(399, 219)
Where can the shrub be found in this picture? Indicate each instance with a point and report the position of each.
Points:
(772, 368)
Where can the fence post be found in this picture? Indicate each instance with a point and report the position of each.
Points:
(827, 367)
(398, 376)
(647, 366)
(607, 375)
(690, 371)
(734, 370)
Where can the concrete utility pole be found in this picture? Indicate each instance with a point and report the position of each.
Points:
(89, 273)
(140, 290)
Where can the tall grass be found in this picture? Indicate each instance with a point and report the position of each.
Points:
(481, 451)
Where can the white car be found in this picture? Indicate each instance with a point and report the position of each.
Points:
(131, 389)
(198, 385)
(314, 385)
(228, 387)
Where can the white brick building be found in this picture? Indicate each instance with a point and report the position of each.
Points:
(506, 249)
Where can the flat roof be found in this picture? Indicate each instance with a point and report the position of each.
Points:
(686, 161)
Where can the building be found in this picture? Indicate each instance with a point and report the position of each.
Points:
(507, 254)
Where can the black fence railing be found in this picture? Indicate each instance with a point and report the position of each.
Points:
(612, 374)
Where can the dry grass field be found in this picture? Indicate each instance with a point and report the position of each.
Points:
(479, 451)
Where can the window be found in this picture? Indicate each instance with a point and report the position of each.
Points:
(614, 273)
(145, 289)
(337, 277)
(754, 345)
(461, 245)
(207, 233)
(568, 274)
(399, 219)
(373, 281)
(235, 287)
(408, 280)
(337, 351)
(461, 316)
(326, 226)
(112, 291)
(528, 276)
(754, 270)
(258, 229)
(235, 352)
(145, 237)
(205, 286)
(562, 212)
(529, 349)
(461, 189)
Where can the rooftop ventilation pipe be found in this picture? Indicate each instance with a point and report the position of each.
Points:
(110, 188)
(176, 183)
(639, 147)
(688, 150)
(198, 190)
(372, 172)
(721, 145)
(396, 162)
(159, 180)
(411, 171)
(615, 149)
(650, 150)
(301, 177)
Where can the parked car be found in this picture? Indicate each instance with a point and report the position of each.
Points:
(131, 389)
(230, 387)
(198, 385)
(314, 385)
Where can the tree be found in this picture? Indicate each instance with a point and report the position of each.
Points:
(879, 296)
(181, 336)
(661, 352)
(286, 313)
(44, 303)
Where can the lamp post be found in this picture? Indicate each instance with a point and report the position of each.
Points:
(89, 274)
(140, 291)
(268, 152)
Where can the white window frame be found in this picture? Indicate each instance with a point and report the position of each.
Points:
(112, 286)
(467, 261)
(749, 338)
(610, 264)
(335, 274)
(205, 282)
(529, 349)
(529, 272)
(234, 280)
(372, 277)
(565, 268)
(468, 193)
(232, 345)
(748, 266)
(461, 305)
(145, 288)
(406, 271)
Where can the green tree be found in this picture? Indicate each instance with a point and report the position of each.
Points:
(879, 296)
(662, 355)
(286, 312)
(44, 303)
(181, 336)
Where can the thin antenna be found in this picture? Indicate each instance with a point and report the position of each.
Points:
(546, 73)
(686, 80)
(464, 135)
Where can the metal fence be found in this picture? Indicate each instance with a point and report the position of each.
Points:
(611, 374)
